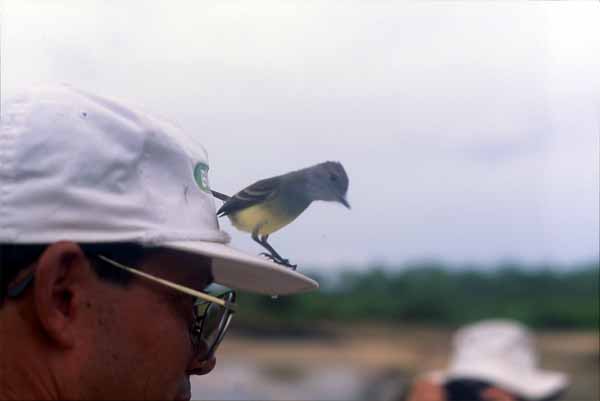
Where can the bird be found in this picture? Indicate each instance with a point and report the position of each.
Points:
(270, 204)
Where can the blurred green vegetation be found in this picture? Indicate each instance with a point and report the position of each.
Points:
(434, 294)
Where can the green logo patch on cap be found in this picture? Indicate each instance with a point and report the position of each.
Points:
(201, 176)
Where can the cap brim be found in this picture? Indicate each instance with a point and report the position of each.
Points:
(239, 270)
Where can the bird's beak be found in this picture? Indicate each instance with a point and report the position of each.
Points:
(344, 202)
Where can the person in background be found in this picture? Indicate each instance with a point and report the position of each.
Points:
(492, 360)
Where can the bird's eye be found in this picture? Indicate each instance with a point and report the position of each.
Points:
(333, 177)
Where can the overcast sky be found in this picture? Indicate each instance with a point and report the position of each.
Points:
(470, 131)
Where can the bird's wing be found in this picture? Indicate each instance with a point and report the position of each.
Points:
(256, 193)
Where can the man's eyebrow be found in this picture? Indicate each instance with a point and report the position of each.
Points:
(198, 280)
(211, 278)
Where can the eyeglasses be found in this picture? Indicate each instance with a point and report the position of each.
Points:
(211, 322)
(211, 314)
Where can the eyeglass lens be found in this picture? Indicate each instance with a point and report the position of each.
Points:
(212, 321)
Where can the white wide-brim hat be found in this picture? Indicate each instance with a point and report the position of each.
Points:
(79, 167)
(500, 352)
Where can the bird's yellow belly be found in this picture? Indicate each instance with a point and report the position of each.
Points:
(268, 220)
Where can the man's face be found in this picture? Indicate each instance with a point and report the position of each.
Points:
(140, 346)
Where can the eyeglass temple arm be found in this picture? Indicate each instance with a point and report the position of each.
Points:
(13, 292)
(189, 291)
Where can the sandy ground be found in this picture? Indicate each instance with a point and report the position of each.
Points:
(378, 362)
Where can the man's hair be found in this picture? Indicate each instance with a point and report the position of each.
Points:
(466, 389)
(17, 257)
(470, 389)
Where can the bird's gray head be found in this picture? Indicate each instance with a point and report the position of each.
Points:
(328, 182)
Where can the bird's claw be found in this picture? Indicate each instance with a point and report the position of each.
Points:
(268, 256)
(279, 261)
(286, 263)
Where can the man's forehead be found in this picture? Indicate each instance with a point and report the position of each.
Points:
(182, 267)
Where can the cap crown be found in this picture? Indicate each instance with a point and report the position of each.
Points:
(75, 166)
(500, 342)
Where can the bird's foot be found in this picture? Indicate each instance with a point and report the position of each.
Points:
(279, 261)
(268, 256)
(286, 263)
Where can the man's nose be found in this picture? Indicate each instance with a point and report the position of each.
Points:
(202, 366)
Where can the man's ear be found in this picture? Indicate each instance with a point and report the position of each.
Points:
(58, 288)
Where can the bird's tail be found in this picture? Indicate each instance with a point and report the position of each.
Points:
(220, 196)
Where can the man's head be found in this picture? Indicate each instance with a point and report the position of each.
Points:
(110, 306)
(101, 331)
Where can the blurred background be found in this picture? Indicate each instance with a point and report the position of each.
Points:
(470, 133)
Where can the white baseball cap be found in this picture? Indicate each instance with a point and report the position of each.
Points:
(501, 352)
(80, 167)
